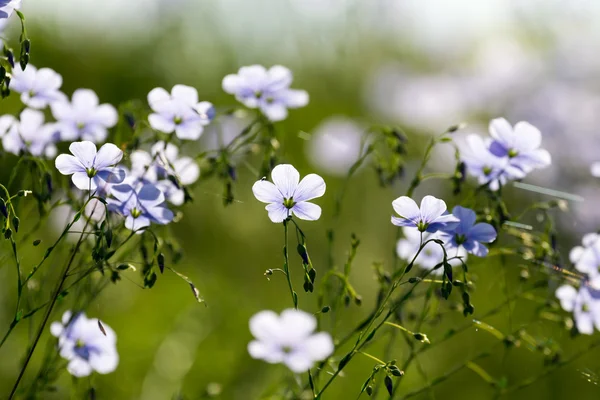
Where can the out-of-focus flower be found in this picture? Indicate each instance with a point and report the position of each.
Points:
(87, 344)
(595, 169)
(584, 304)
(140, 206)
(84, 118)
(431, 255)
(430, 217)
(91, 169)
(468, 234)
(224, 130)
(287, 194)
(289, 339)
(335, 145)
(38, 87)
(8, 6)
(268, 90)
(586, 258)
(179, 112)
(30, 135)
(164, 161)
(520, 144)
(485, 166)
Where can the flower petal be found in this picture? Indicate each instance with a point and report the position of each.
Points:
(185, 94)
(566, 294)
(502, 131)
(108, 155)
(307, 211)
(85, 152)
(310, 187)
(265, 325)
(432, 208)
(161, 123)
(277, 212)
(83, 182)
(267, 192)
(527, 137)
(286, 178)
(67, 164)
(319, 346)
(482, 232)
(407, 209)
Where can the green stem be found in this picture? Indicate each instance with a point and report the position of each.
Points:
(286, 264)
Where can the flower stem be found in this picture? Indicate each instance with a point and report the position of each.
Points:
(286, 264)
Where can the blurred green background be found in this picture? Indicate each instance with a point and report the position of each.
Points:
(423, 65)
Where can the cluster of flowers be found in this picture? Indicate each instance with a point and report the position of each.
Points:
(459, 232)
(584, 302)
(511, 153)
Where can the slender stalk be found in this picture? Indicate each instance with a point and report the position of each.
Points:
(286, 264)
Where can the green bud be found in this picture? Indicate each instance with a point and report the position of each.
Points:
(325, 309)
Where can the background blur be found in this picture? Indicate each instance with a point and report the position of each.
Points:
(423, 64)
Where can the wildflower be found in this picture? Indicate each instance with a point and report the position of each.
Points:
(87, 344)
(160, 164)
(467, 234)
(289, 339)
(30, 135)
(430, 217)
(488, 168)
(586, 258)
(336, 145)
(7, 7)
(84, 118)
(431, 255)
(595, 169)
(141, 206)
(91, 169)
(38, 87)
(585, 305)
(179, 112)
(520, 144)
(268, 90)
(287, 194)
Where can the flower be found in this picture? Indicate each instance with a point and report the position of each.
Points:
(520, 144)
(467, 234)
(179, 112)
(87, 344)
(335, 145)
(30, 134)
(586, 258)
(289, 339)
(160, 164)
(585, 305)
(141, 206)
(488, 168)
(84, 118)
(430, 217)
(38, 88)
(287, 194)
(7, 7)
(268, 90)
(595, 169)
(91, 169)
(431, 255)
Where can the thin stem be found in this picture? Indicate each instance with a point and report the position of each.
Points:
(286, 264)
(372, 357)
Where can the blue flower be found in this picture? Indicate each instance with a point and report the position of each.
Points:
(430, 217)
(520, 144)
(7, 7)
(268, 90)
(468, 234)
(84, 345)
(91, 169)
(141, 206)
(179, 112)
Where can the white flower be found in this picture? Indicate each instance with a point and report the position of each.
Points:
(431, 255)
(87, 348)
(38, 88)
(586, 258)
(288, 339)
(585, 305)
(7, 7)
(287, 194)
(91, 168)
(268, 90)
(595, 169)
(179, 112)
(162, 161)
(335, 145)
(84, 118)
(30, 134)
